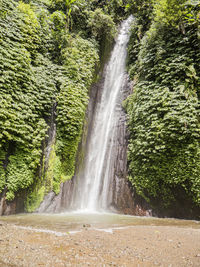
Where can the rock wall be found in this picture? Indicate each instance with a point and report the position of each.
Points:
(123, 197)
(120, 189)
(62, 201)
(13, 207)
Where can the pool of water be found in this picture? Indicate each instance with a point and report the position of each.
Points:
(63, 222)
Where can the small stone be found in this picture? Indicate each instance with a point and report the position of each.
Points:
(86, 225)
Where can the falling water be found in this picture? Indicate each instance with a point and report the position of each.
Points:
(91, 191)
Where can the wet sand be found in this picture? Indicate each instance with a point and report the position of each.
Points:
(121, 246)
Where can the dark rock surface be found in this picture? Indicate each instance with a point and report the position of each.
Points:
(11, 207)
(120, 191)
(17, 205)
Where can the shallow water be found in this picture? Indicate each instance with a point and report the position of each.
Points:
(64, 222)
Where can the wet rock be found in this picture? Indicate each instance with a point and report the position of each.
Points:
(11, 207)
(120, 195)
(86, 225)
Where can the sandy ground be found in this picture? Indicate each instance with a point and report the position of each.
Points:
(132, 246)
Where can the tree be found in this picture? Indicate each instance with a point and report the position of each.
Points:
(66, 6)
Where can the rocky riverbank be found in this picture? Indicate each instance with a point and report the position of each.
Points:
(128, 246)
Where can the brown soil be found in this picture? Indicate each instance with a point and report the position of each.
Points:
(133, 246)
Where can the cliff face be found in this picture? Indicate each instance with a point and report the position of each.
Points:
(46, 70)
(122, 198)
(43, 95)
(163, 108)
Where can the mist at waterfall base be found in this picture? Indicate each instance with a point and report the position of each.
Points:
(92, 191)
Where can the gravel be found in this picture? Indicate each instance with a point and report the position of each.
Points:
(131, 246)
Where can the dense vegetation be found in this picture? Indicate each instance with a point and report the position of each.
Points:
(164, 121)
(49, 57)
(50, 54)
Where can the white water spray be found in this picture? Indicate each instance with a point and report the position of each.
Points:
(91, 192)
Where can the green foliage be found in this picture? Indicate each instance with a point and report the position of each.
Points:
(164, 124)
(66, 6)
(69, 4)
(142, 10)
(21, 111)
(58, 176)
(28, 26)
(41, 66)
(2, 170)
(34, 198)
(53, 174)
(80, 59)
(164, 148)
(103, 27)
(115, 8)
(19, 174)
(58, 18)
(23, 100)
(173, 12)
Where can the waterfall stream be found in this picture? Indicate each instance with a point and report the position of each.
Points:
(92, 189)
(100, 183)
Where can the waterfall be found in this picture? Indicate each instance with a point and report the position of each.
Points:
(92, 188)
(100, 181)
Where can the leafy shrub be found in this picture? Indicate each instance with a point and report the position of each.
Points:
(102, 25)
(19, 174)
(164, 147)
(80, 59)
(41, 66)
